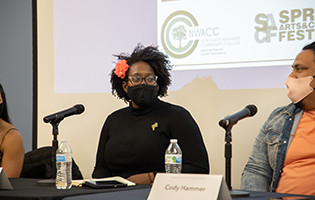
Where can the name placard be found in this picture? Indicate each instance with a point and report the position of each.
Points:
(189, 186)
(4, 181)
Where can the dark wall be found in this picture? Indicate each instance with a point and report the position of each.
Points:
(16, 63)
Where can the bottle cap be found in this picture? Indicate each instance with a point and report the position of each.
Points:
(173, 140)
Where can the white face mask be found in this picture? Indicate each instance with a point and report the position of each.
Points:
(299, 88)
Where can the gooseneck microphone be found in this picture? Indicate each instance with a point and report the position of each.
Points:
(230, 120)
(227, 123)
(57, 117)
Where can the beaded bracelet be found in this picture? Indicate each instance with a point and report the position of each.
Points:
(150, 177)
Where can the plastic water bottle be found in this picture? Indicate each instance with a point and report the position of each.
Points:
(64, 166)
(173, 158)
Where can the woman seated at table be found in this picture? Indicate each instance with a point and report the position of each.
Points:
(133, 139)
(11, 142)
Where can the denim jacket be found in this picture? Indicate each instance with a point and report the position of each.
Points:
(264, 167)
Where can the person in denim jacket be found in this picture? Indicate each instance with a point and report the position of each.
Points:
(268, 167)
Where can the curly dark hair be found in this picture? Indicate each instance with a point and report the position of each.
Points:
(151, 55)
(4, 115)
(310, 46)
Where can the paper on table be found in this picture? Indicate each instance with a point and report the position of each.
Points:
(78, 183)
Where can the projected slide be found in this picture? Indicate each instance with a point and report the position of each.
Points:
(205, 34)
(239, 44)
(88, 33)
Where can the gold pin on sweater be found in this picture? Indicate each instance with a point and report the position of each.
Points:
(153, 126)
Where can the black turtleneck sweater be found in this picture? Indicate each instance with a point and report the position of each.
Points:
(134, 141)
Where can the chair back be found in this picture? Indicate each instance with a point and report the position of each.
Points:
(38, 164)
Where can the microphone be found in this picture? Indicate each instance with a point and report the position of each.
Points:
(230, 120)
(57, 117)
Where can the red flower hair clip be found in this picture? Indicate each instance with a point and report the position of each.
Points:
(121, 68)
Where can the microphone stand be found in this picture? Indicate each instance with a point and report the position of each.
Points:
(228, 156)
(55, 132)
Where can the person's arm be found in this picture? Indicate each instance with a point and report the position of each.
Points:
(195, 156)
(13, 154)
(144, 178)
(100, 169)
(257, 174)
(194, 153)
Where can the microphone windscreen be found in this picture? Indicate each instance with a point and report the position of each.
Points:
(80, 108)
(252, 109)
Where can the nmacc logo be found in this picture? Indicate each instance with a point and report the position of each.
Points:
(174, 36)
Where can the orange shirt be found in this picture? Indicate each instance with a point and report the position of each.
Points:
(298, 175)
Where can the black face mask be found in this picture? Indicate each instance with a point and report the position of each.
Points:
(142, 95)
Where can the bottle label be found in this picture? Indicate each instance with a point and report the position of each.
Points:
(173, 159)
(60, 158)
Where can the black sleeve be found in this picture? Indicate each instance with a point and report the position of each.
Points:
(194, 153)
(100, 169)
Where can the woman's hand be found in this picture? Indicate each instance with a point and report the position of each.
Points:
(144, 178)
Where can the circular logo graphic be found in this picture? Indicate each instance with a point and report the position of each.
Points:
(175, 34)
